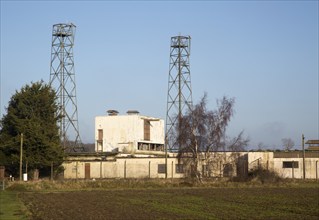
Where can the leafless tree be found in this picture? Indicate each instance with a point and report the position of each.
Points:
(203, 131)
(260, 145)
(287, 143)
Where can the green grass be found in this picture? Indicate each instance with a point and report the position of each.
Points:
(11, 207)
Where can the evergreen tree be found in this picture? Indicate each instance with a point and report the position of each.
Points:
(33, 112)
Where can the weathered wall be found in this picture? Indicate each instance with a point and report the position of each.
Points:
(220, 164)
(124, 131)
(260, 159)
(121, 168)
(311, 168)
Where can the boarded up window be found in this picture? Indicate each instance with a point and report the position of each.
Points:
(100, 134)
(161, 168)
(179, 168)
(100, 140)
(228, 170)
(205, 170)
(290, 164)
(87, 171)
(147, 130)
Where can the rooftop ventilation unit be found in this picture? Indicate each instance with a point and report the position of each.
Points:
(132, 112)
(112, 112)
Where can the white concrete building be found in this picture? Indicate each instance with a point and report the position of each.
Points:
(128, 133)
(221, 164)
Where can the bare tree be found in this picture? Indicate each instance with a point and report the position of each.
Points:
(287, 143)
(260, 145)
(238, 143)
(203, 131)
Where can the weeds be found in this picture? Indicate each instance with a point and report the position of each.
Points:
(259, 178)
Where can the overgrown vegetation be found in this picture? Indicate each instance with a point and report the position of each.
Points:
(264, 176)
(110, 184)
(201, 131)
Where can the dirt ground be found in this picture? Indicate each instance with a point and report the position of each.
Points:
(177, 203)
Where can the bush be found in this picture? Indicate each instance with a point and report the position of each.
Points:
(264, 176)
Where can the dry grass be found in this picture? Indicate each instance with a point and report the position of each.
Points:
(73, 185)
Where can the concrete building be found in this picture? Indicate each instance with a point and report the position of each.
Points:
(129, 133)
(116, 165)
(132, 146)
(215, 165)
(287, 164)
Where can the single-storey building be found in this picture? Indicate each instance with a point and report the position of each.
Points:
(132, 146)
(217, 164)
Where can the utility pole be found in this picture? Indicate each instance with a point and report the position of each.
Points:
(21, 149)
(303, 156)
(51, 170)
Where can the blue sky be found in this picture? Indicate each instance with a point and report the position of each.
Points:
(263, 53)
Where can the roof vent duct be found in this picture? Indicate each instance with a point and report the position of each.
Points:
(112, 112)
(132, 112)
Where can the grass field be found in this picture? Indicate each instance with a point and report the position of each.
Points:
(10, 206)
(132, 200)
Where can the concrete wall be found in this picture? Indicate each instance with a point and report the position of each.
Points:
(260, 159)
(311, 168)
(121, 168)
(267, 160)
(220, 164)
(125, 131)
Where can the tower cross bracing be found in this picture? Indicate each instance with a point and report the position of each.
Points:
(179, 96)
(62, 79)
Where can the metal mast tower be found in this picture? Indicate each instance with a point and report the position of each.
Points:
(179, 97)
(62, 78)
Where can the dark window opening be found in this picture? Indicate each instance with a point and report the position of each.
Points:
(290, 164)
(179, 168)
(100, 134)
(147, 130)
(161, 168)
(150, 146)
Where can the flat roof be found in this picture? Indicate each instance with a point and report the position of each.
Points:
(312, 142)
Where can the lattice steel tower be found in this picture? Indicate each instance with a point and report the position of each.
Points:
(62, 78)
(179, 97)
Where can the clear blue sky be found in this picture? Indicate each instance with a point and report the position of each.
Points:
(263, 53)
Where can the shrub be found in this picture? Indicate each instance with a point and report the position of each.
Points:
(264, 176)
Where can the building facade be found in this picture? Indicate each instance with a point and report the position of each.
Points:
(128, 133)
(132, 146)
(215, 165)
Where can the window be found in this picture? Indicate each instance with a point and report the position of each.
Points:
(228, 170)
(100, 140)
(205, 170)
(147, 130)
(179, 168)
(290, 164)
(100, 134)
(161, 168)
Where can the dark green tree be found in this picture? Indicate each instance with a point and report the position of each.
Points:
(33, 112)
